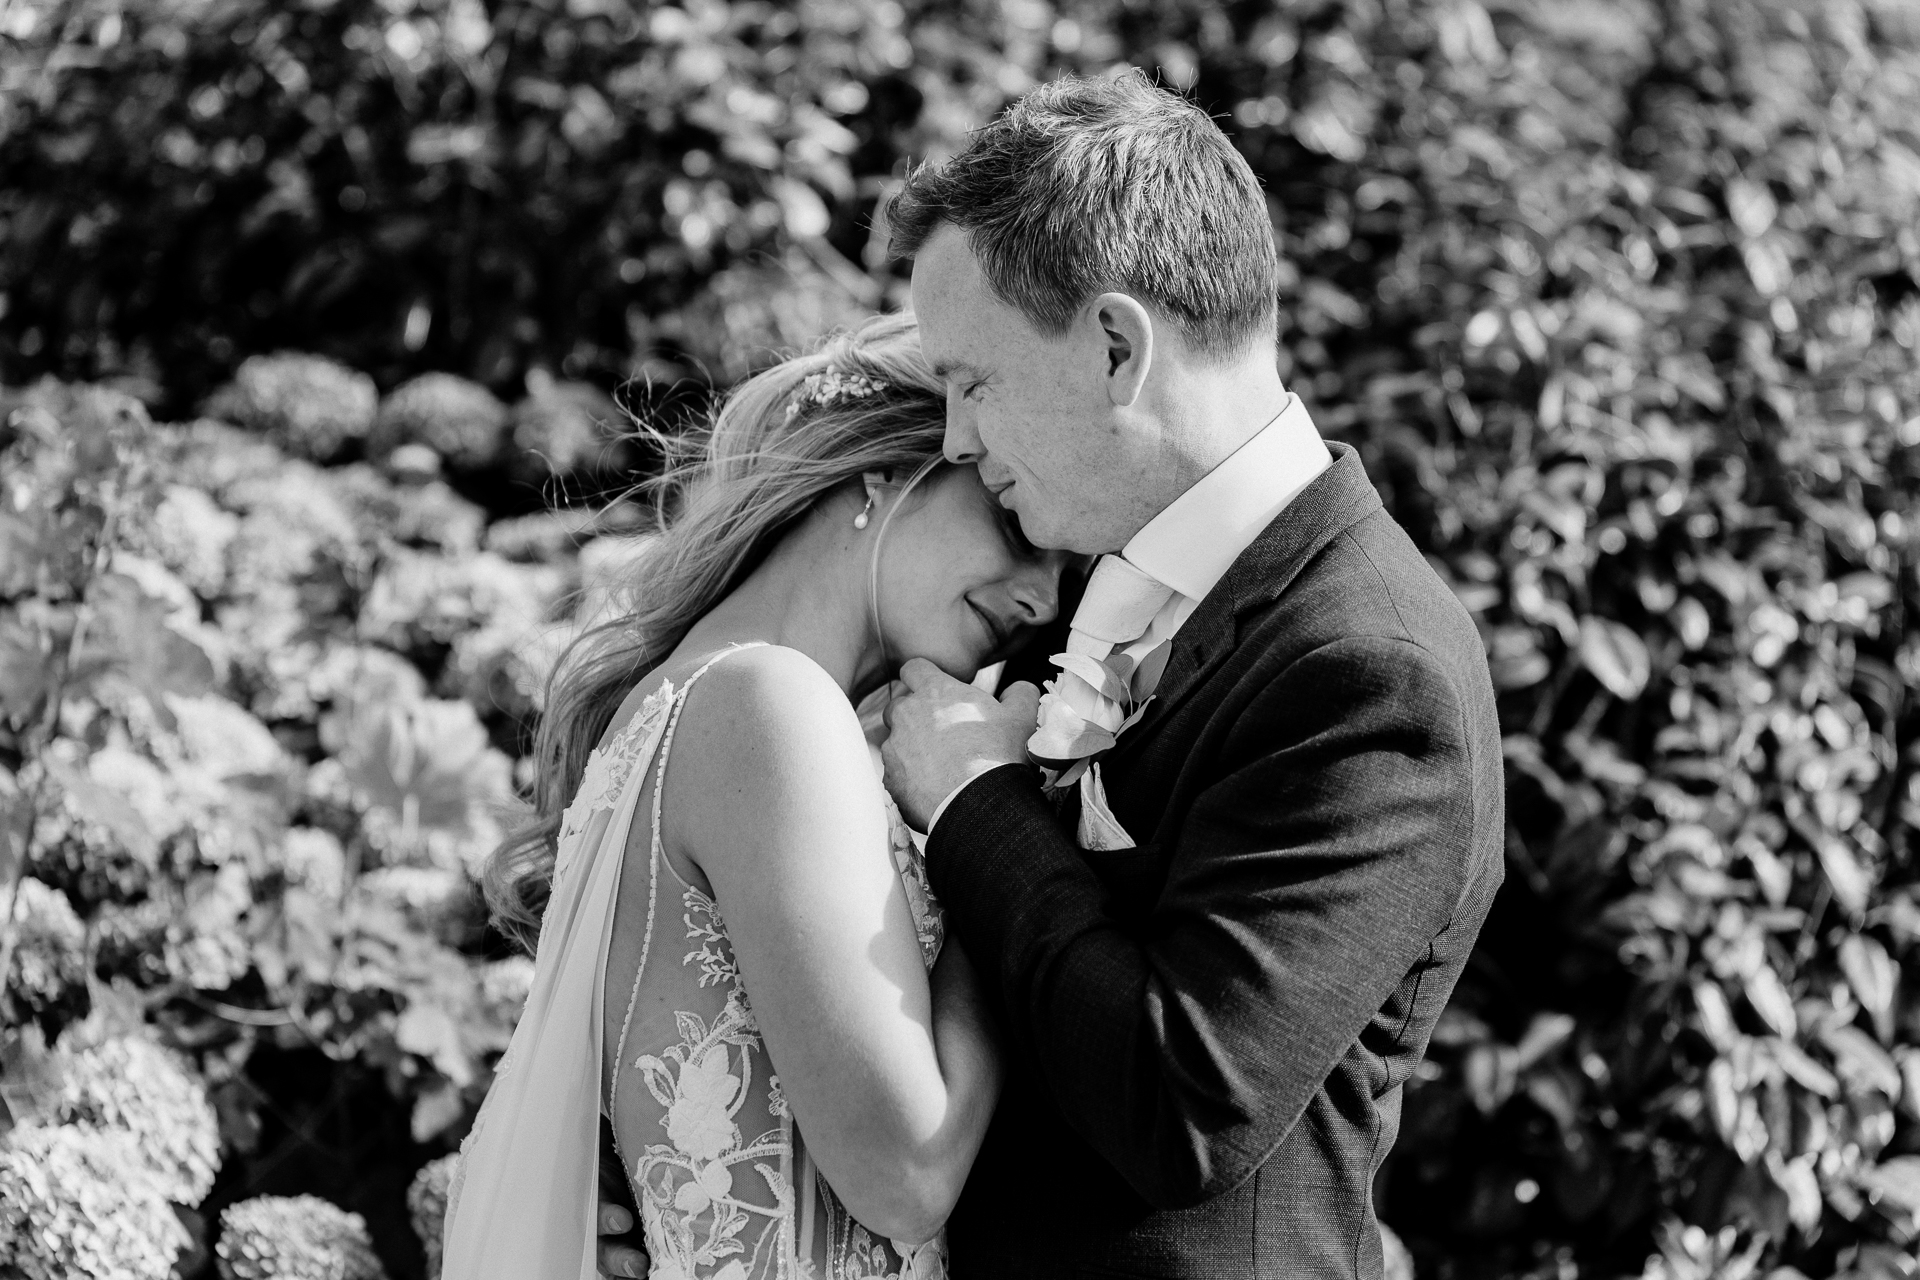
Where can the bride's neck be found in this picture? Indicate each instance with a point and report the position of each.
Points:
(810, 594)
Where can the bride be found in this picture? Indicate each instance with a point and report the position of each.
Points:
(738, 962)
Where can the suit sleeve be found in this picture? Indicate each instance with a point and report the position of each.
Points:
(1304, 883)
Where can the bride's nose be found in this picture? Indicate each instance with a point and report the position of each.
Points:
(1036, 594)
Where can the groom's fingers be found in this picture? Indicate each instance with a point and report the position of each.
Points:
(618, 1260)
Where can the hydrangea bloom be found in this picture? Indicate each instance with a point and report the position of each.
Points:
(214, 456)
(79, 1204)
(460, 420)
(562, 427)
(191, 533)
(87, 862)
(225, 739)
(50, 961)
(437, 900)
(543, 537)
(427, 1207)
(315, 860)
(133, 1086)
(130, 940)
(504, 986)
(506, 666)
(296, 527)
(295, 1238)
(418, 512)
(307, 403)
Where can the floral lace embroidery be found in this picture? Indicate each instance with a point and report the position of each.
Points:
(687, 1184)
(607, 771)
(929, 923)
(717, 1204)
(858, 1254)
(714, 955)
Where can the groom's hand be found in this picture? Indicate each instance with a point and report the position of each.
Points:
(618, 1258)
(945, 733)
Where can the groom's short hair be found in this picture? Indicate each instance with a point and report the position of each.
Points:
(1088, 186)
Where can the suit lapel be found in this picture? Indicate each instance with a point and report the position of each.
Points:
(1338, 498)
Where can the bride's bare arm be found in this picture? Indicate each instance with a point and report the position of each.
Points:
(892, 1078)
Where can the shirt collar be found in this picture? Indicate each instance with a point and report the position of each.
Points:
(1193, 542)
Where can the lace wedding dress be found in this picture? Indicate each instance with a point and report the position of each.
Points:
(725, 1186)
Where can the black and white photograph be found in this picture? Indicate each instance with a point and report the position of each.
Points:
(960, 639)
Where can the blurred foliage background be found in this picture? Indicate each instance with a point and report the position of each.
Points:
(1620, 301)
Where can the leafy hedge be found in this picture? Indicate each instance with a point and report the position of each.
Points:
(249, 711)
(1621, 303)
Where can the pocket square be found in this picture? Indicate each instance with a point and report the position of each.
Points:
(1099, 830)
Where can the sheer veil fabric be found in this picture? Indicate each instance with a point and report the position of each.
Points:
(524, 1198)
(724, 1183)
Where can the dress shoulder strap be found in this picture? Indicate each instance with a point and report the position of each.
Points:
(654, 857)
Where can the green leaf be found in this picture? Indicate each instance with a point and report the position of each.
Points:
(16, 826)
(1716, 1015)
(1896, 1181)
(1769, 998)
(29, 1077)
(103, 805)
(1852, 884)
(1872, 975)
(1616, 656)
(1861, 1062)
(1803, 1070)
(128, 635)
(1547, 1032)
(29, 668)
(1514, 657)
(1490, 1074)
(436, 1111)
(310, 926)
(20, 554)
(428, 763)
(426, 1030)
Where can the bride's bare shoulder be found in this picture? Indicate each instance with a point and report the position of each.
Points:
(767, 721)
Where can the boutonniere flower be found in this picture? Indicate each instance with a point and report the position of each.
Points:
(1085, 710)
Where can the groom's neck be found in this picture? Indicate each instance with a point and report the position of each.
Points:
(1208, 409)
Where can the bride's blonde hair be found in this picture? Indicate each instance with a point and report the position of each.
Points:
(780, 442)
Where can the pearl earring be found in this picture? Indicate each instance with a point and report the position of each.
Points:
(873, 479)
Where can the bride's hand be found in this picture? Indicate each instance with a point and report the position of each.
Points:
(617, 1256)
(945, 733)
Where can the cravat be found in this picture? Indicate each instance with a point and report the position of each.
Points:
(1117, 648)
(1117, 615)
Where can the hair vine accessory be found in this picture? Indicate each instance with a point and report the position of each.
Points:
(830, 387)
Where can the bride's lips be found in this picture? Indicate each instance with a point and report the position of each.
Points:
(998, 634)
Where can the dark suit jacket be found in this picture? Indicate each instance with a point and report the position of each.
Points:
(1207, 1035)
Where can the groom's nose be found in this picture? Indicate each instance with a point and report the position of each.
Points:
(962, 444)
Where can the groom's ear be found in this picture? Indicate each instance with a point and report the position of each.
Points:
(1127, 331)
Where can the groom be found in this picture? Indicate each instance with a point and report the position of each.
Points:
(1218, 927)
